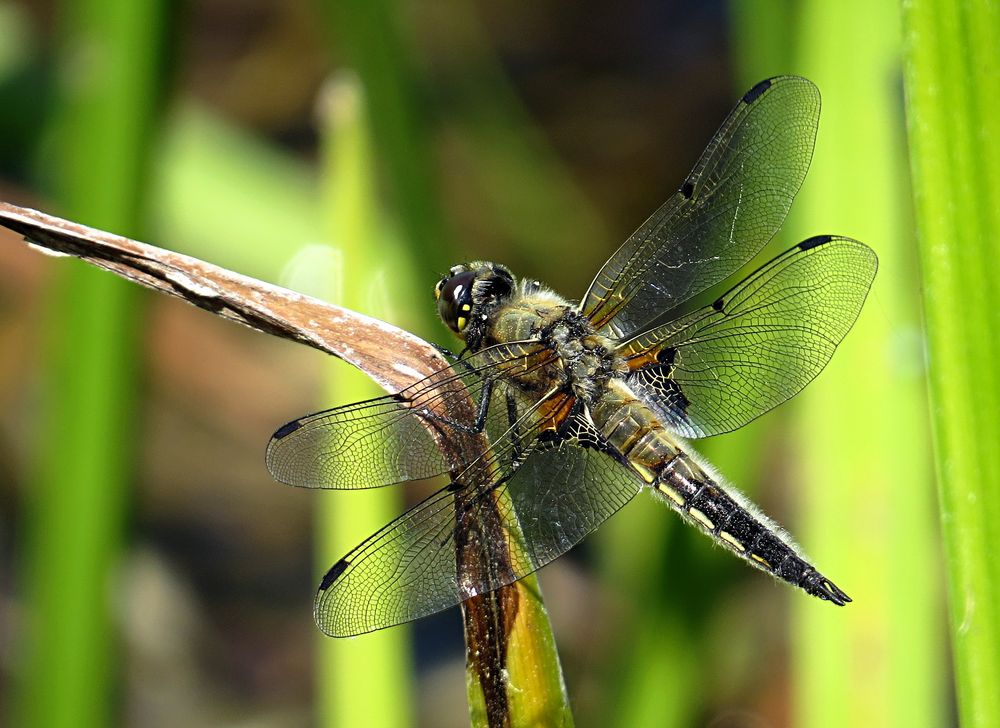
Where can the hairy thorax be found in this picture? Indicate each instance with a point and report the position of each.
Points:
(585, 360)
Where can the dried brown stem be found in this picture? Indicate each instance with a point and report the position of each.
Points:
(357, 339)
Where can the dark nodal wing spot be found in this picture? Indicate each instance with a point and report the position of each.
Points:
(756, 92)
(333, 574)
(687, 189)
(815, 241)
(287, 429)
(718, 304)
(454, 486)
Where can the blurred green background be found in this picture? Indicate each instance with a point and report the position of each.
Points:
(152, 574)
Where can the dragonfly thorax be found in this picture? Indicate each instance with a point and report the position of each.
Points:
(588, 359)
(584, 359)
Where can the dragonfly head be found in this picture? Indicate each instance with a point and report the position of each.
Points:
(469, 292)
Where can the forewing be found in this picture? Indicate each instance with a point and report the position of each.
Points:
(398, 437)
(718, 368)
(730, 205)
(509, 524)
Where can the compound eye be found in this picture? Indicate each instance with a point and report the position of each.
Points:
(455, 300)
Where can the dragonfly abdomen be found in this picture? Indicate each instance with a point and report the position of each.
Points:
(634, 430)
(734, 523)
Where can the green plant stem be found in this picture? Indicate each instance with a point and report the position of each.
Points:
(371, 32)
(953, 113)
(864, 474)
(363, 681)
(109, 65)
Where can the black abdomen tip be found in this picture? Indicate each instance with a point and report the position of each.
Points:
(819, 586)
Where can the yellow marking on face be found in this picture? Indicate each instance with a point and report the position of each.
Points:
(671, 493)
(462, 322)
(466, 307)
(732, 540)
(701, 518)
(760, 560)
(437, 290)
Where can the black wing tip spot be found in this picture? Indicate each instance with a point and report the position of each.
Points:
(287, 429)
(333, 574)
(687, 189)
(815, 242)
(757, 91)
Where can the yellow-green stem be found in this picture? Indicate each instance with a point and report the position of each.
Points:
(863, 441)
(953, 115)
(109, 69)
(364, 681)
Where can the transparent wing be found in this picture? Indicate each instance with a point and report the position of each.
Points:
(717, 368)
(396, 438)
(509, 524)
(731, 204)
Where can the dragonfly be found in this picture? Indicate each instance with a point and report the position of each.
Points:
(583, 405)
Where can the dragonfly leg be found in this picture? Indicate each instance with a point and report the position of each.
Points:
(515, 431)
(482, 410)
(450, 355)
